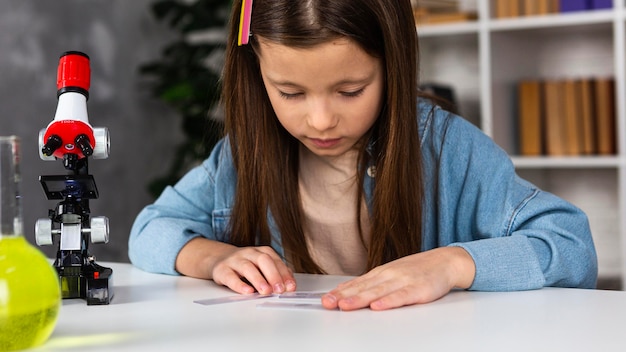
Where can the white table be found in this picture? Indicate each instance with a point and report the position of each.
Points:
(151, 312)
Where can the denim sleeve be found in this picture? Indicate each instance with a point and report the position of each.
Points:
(519, 236)
(181, 213)
(546, 242)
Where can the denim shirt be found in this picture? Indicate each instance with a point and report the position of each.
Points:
(519, 236)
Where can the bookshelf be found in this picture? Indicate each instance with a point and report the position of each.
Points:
(485, 59)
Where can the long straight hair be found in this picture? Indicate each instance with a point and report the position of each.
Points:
(266, 155)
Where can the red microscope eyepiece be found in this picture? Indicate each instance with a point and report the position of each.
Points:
(73, 73)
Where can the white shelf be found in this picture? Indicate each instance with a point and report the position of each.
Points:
(484, 59)
(572, 19)
(578, 162)
(448, 29)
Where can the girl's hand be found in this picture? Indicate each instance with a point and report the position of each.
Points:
(418, 278)
(247, 269)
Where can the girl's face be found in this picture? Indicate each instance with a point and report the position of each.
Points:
(327, 96)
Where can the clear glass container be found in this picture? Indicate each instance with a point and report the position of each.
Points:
(30, 296)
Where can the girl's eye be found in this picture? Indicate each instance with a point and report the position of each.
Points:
(353, 94)
(289, 95)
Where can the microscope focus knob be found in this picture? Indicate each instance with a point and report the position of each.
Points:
(103, 143)
(99, 229)
(43, 232)
(43, 156)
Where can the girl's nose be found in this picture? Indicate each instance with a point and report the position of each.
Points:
(321, 117)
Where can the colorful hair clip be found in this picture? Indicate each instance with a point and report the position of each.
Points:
(244, 22)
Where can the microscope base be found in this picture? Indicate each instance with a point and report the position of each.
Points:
(91, 282)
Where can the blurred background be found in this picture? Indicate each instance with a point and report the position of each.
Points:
(120, 36)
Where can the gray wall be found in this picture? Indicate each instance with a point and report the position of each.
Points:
(118, 36)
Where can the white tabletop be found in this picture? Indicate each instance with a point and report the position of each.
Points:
(151, 312)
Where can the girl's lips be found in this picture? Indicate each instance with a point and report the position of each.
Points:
(325, 143)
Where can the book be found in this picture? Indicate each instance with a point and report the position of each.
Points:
(604, 95)
(531, 8)
(502, 9)
(437, 18)
(437, 5)
(440, 11)
(570, 96)
(530, 107)
(554, 135)
(587, 114)
(515, 8)
(543, 6)
(601, 4)
(574, 5)
(507, 8)
(555, 6)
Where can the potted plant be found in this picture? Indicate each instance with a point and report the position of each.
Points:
(187, 77)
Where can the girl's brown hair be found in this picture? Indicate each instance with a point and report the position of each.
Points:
(266, 155)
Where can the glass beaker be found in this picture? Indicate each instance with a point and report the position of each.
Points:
(30, 296)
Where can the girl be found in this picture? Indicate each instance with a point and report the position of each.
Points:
(333, 163)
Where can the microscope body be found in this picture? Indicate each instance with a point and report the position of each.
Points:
(70, 138)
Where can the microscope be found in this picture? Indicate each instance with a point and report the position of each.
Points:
(70, 138)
